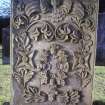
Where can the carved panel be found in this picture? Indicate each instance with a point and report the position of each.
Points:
(53, 51)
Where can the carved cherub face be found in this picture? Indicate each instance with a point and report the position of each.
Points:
(46, 5)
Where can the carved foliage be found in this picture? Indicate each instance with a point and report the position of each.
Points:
(49, 78)
(63, 33)
(51, 75)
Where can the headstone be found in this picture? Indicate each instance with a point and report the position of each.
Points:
(100, 61)
(53, 43)
(6, 45)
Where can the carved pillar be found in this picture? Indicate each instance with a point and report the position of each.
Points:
(54, 44)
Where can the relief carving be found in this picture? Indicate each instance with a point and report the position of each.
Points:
(20, 21)
(45, 30)
(54, 44)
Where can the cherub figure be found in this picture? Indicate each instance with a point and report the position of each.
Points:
(48, 5)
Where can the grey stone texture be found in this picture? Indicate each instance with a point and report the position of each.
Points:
(54, 43)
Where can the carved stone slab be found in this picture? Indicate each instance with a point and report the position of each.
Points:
(54, 44)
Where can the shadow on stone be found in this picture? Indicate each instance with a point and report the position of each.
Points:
(98, 103)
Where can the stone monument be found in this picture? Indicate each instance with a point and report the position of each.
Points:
(53, 51)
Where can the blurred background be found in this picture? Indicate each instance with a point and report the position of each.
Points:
(5, 71)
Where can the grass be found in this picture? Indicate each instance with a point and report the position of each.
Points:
(5, 91)
(5, 74)
(99, 84)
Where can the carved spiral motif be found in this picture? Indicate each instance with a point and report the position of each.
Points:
(88, 24)
(66, 32)
(71, 97)
(63, 32)
(32, 8)
(20, 21)
(45, 30)
(41, 30)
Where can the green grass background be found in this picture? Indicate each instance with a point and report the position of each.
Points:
(5, 84)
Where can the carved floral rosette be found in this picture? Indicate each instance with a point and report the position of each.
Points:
(53, 52)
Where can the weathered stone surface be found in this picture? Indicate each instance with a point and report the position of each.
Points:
(54, 44)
